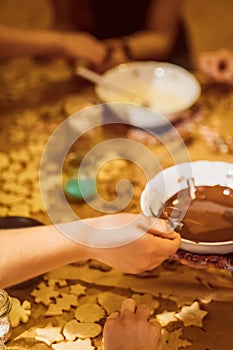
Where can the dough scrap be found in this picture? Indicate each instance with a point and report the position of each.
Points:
(147, 299)
(55, 281)
(110, 301)
(172, 340)
(77, 289)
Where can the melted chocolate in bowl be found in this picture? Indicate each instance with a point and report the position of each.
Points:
(209, 217)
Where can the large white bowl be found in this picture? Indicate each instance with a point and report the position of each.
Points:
(165, 87)
(173, 179)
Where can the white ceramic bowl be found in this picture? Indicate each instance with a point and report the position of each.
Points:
(173, 179)
(165, 87)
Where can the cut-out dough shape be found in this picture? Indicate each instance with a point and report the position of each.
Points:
(191, 315)
(89, 313)
(74, 345)
(19, 312)
(49, 334)
(74, 329)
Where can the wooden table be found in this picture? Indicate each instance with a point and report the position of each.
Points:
(35, 99)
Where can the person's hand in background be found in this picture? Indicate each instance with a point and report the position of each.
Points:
(130, 329)
(118, 52)
(218, 65)
(84, 47)
(72, 46)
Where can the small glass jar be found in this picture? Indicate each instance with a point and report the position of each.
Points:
(5, 307)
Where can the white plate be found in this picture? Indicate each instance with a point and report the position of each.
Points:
(173, 179)
(165, 87)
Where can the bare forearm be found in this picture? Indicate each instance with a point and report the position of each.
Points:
(26, 253)
(157, 38)
(27, 43)
(149, 45)
(112, 239)
(71, 46)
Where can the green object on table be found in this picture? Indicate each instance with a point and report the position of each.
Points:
(80, 188)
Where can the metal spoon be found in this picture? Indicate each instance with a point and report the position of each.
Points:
(100, 80)
(171, 213)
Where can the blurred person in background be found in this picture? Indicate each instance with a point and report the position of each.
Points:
(209, 34)
(102, 34)
(131, 29)
(51, 44)
(28, 258)
(208, 27)
(218, 65)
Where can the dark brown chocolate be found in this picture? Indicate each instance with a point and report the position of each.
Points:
(209, 216)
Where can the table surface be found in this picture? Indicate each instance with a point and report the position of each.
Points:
(35, 98)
